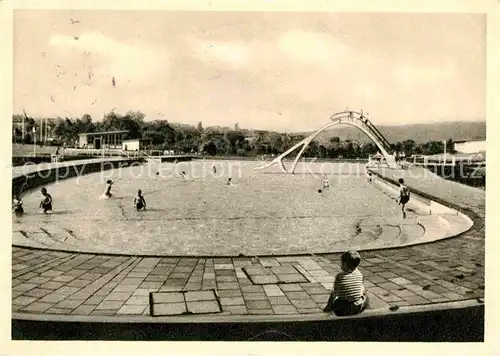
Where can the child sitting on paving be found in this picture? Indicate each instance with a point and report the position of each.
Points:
(348, 296)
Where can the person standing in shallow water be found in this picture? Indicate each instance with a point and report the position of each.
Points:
(139, 201)
(46, 203)
(18, 206)
(404, 196)
(109, 184)
(326, 182)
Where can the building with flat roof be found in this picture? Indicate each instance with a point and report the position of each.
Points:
(98, 140)
(133, 145)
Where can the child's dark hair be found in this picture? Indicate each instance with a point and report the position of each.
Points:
(43, 190)
(351, 259)
(401, 180)
(139, 192)
(109, 181)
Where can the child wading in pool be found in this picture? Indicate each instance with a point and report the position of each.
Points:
(229, 181)
(348, 296)
(326, 182)
(404, 195)
(109, 184)
(46, 203)
(17, 208)
(139, 201)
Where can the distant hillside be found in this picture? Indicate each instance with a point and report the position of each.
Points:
(420, 133)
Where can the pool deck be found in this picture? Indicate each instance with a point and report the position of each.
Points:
(71, 286)
(33, 168)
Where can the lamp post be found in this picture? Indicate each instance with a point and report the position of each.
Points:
(34, 141)
(444, 156)
(41, 131)
(46, 131)
(24, 117)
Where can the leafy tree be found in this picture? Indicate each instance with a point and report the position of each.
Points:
(322, 151)
(335, 140)
(368, 149)
(408, 147)
(210, 148)
(131, 121)
(312, 149)
(349, 151)
(450, 146)
(234, 140)
(67, 131)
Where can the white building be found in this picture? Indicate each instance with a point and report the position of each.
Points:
(99, 140)
(472, 146)
(132, 145)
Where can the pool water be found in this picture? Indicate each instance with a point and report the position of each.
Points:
(262, 212)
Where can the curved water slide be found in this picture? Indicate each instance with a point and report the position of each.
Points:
(352, 118)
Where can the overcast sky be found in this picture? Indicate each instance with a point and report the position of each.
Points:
(267, 70)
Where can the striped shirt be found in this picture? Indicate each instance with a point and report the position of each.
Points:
(349, 285)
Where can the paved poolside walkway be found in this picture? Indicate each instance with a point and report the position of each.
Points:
(32, 168)
(58, 284)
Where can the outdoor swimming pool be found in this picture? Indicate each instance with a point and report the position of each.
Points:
(263, 212)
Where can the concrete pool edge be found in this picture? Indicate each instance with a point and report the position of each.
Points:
(50, 172)
(213, 318)
(455, 325)
(468, 212)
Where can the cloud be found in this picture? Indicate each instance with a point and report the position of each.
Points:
(114, 58)
(408, 75)
(235, 54)
(295, 46)
(311, 47)
(368, 92)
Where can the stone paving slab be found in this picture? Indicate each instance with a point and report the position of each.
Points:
(196, 302)
(69, 283)
(169, 309)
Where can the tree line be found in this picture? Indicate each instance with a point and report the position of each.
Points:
(213, 140)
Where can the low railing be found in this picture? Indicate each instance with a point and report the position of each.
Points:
(444, 160)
